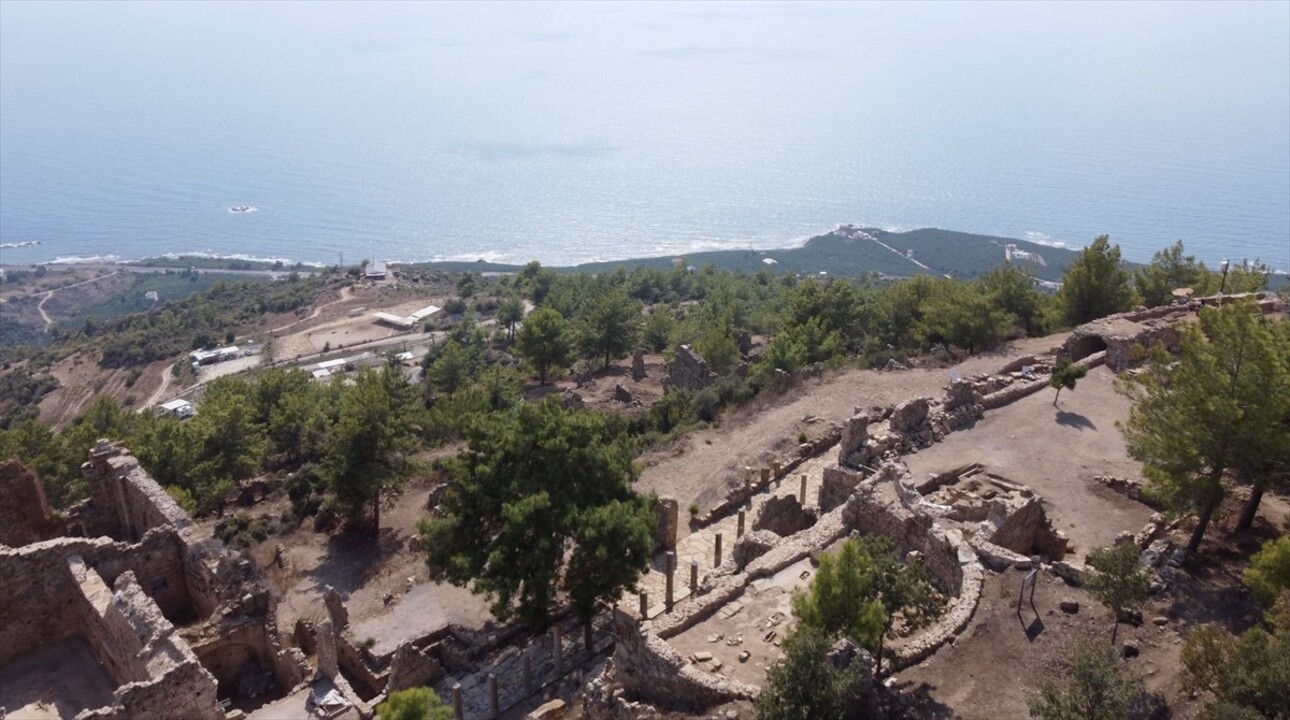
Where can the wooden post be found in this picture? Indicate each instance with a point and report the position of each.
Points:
(716, 552)
(801, 498)
(739, 527)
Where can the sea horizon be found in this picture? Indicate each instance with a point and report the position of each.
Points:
(571, 133)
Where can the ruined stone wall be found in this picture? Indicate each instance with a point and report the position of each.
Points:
(38, 600)
(107, 627)
(126, 501)
(158, 564)
(649, 669)
(666, 511)
(24, 513)
(688, 371)
(160, 675)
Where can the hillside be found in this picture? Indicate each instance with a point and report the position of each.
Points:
(847, 251)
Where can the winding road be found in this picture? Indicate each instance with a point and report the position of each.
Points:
(50, 293)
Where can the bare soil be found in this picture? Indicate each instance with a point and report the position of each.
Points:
(364, 569)
(703, 466)
(1056, 451)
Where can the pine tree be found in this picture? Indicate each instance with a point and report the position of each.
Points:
(1222, 406)
(1096, 284)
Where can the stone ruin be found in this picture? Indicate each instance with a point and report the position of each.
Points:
(689, 371)
(963, 523)
(1125, 338)
(122, 608)
(909, 426)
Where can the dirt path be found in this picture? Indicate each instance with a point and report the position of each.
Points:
(50, 293)
(161, 389)
(344, 295)
(41, 307)
(700, 467)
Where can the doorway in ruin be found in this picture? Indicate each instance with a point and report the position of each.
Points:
(242, 664)
(1083, 346)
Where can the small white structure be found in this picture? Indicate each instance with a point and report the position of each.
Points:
(424, 312)
(208, 357)
(375, 270)
(402, 323)
(178, 408)
(331, 366)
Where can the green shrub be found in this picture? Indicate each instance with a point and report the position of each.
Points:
(1269, 571)
(414, 704)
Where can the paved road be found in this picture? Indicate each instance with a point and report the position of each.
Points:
(119, 267)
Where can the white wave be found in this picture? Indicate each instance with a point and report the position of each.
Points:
(208, 255)
(77, 259)
(1039, 238)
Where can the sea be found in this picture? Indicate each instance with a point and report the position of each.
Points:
(590, 131)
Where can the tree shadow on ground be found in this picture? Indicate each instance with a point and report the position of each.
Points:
(1210, 588)
(353, 558)
(1074, 420)
(907, 701)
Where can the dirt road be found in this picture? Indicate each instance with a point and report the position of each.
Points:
(50, 293)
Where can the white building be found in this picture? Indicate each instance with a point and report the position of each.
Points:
(178, 408)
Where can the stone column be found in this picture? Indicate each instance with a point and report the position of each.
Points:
(716, 551)
(778, 469)
(670, 560)
(694, 577)
(739, 526)
(748, 476)
(557, 649)
(765, 474)
(644, 605)
(493, 701)
(325, 640)
(527, 670)
(457, 711)
(801, 498)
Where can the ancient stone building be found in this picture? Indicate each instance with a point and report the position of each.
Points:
(123, 609)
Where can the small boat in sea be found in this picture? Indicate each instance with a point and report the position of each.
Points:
(242, 209)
